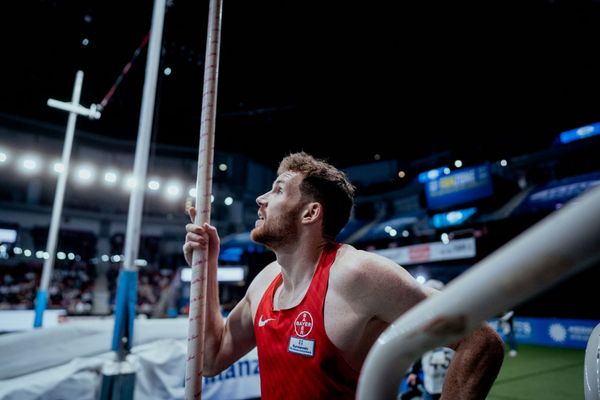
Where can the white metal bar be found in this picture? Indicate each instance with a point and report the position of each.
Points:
(140, 167)
(195, 351)
(561, 244)
(59, 196)
(91, 113)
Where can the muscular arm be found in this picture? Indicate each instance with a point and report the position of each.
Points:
(225, 341)
(389, 291)
(475, 365)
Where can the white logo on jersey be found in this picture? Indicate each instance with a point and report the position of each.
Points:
(303, 324)
(263, 322)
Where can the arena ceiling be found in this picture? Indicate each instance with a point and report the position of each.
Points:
(342, 80)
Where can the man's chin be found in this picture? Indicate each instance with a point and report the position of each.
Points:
(255, 235)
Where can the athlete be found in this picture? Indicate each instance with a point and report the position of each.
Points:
(315, 312)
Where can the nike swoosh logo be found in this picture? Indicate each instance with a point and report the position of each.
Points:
(263, 322)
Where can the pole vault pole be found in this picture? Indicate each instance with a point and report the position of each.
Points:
(560, 245)
(74, 109)
(197, 313)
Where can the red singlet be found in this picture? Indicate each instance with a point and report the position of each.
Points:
(296, 358)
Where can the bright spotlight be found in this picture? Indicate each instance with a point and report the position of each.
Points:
(153, 184)
(173, 190)
(110, 177)
(445, 238)
(129, 182)
(85, 174)
(228, 201)
(58, 167)
(30, 164)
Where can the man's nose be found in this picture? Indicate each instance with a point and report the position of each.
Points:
(261, 200)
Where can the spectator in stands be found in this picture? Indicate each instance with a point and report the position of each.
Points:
(507, 327)
(433, 365)
(315, 312)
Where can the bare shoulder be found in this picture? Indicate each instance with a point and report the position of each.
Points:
(374, 283)
(360, 267)
(259, 284)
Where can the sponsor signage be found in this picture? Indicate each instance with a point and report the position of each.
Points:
(430, 252)
(571, 333)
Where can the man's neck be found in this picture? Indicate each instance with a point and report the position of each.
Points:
(298, 263)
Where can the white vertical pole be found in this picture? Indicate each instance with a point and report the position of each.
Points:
(197, 313)
(59, 195)
(136, 199)
(74, 109)
(127, 291)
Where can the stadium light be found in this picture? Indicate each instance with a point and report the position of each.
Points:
(85, 174)
(173, 190)
(110, 177)
(30, 164)
(154, 184)
(4, 156)
(129, 183)
(57, 167)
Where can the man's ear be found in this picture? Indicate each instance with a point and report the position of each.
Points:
(312, 212)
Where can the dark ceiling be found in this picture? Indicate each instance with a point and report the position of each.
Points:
(342, 80)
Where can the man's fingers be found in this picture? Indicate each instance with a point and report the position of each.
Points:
(194, 237)
(192, 212)
(195, 229)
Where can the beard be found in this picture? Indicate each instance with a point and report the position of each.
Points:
(279, 230)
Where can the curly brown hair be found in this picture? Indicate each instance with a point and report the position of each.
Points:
(325, 184)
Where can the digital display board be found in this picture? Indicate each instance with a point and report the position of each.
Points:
(452, 218)
(459, 187)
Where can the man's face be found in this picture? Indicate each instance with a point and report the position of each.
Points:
(279, 212)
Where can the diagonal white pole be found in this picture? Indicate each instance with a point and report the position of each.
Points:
(559, 245)
(198, 288)
(74, 109)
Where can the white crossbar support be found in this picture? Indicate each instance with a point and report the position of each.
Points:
(561, 244)
(91, 113)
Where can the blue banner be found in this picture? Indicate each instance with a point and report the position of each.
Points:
(570, 333)
(580, 133)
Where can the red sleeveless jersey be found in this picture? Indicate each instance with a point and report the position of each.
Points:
(295, 357)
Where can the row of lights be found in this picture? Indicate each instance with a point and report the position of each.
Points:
(435, 173)
(444, 237)
(18, 251)
(61, 255)
(85, 175)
